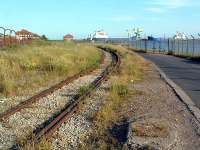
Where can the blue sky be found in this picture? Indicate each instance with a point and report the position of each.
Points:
(55, 18)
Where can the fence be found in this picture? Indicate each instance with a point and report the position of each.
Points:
(189, 47)
(8, 37)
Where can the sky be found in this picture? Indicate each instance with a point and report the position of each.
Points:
(54, 18)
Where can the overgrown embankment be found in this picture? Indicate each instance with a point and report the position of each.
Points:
(135, 109)
(143, 115)
(26, 68)
(131, 71)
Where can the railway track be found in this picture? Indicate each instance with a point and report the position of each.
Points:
(47, 128)
(5, 115)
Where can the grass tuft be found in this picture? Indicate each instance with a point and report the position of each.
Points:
(25, 68)
(83, 89)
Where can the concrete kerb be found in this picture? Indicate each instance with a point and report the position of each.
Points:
(184, 98)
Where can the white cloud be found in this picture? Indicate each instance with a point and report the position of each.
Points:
(123, 18)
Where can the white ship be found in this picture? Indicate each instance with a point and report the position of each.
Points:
(180, 36)
(100, 35)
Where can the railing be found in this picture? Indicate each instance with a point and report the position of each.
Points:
(187, 47)
(8, 37)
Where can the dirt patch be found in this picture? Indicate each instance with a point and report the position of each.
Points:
(155, 128)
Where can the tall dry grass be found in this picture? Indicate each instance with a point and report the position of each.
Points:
(131, 70)
(25, 68)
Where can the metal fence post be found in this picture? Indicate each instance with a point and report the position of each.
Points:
(136, 43)
(174, 46)
(10, 32)
(198, 44)
(182, 46)
(168, 44)
(13, 31)
(10, 37)
(187, 49)
(4, 35)
(165, 42)
(154, 46)
(145, 44)
(159, 45)
(178, 47)
(193, 48)
(128, 40)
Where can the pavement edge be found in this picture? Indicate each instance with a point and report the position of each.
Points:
(184, 98)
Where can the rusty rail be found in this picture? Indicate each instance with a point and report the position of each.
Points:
(5, 115)
(47, 131)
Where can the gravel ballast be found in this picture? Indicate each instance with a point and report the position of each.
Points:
(22, 123)
(155, 119)
(79, 127)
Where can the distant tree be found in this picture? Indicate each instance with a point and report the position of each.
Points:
(43, 37)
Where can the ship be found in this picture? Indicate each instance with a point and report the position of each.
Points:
(180, 36)
(100, 35)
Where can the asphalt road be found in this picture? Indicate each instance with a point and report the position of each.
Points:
(184, 72)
